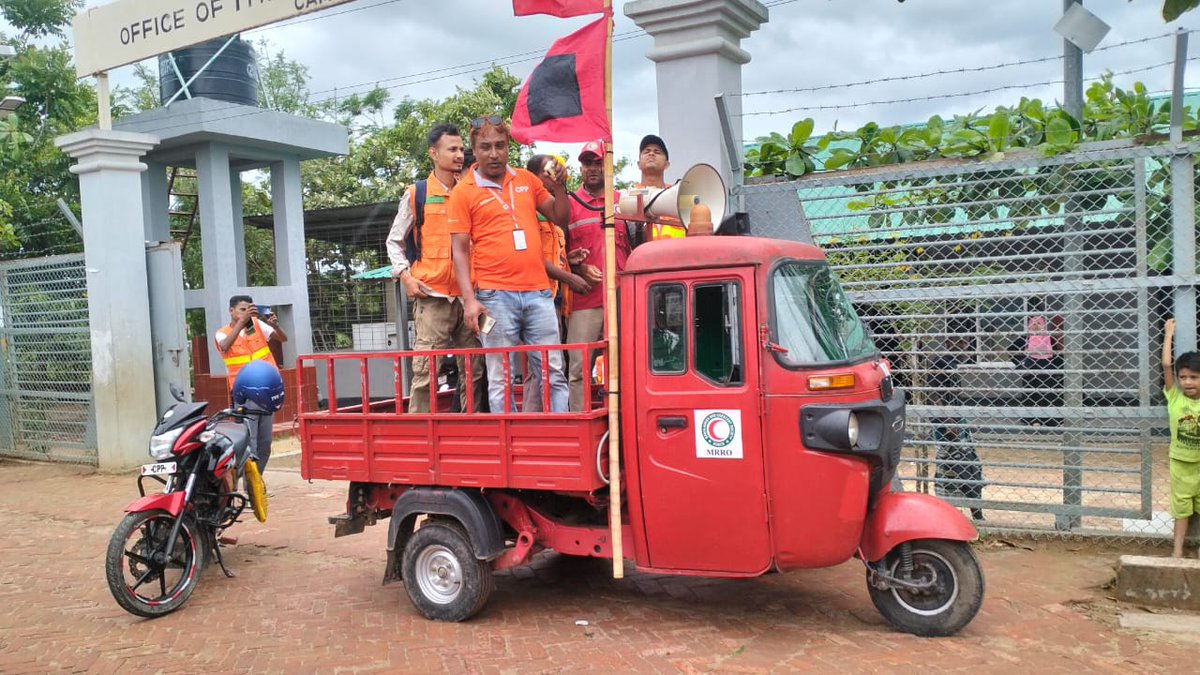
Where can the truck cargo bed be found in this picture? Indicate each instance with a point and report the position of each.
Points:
(377, 441)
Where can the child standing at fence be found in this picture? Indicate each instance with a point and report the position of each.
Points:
(1181, 385)
(959, 472)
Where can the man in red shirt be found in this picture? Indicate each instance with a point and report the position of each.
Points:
(586, 236)
(494, 231)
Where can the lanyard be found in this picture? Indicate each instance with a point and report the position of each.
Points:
(509, 207)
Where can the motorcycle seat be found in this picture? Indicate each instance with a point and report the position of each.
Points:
(237, 433)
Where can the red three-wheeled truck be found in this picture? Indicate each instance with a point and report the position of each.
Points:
(759, 431)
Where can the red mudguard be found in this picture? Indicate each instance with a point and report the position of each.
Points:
(171, 503)
(904, 516)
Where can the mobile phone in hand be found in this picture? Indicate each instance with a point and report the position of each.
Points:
(486, 324)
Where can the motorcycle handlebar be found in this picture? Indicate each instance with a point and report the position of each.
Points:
(241, 414)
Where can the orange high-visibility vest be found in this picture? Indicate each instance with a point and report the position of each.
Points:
(664, 227)
(246, 348)
(668, 228)
(435, 268)
(600, 371)
(554, 251)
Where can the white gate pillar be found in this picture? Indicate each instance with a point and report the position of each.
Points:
(696, 49)
(109, 167)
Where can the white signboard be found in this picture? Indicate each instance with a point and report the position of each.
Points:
(128, 31)
(718, 434)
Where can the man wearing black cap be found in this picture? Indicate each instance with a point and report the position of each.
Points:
(653, 160)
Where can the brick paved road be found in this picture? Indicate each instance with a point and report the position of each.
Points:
(304, 602)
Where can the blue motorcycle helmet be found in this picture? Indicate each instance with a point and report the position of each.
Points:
(258, 383)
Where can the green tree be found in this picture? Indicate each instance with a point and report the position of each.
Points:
(34, 173)
(386, 157)
(1173, 9)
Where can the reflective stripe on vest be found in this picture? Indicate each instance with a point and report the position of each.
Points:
(243, 360)
(246, 348)
(667, 230)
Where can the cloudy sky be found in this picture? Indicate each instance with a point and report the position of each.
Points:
(424, 50)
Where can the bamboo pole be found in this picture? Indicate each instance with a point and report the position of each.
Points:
(610, 301)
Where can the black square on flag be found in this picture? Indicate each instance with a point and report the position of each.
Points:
(554, 90)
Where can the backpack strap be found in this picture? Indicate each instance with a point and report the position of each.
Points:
(412, 242)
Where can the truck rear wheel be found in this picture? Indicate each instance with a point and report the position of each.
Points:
(442, 576)
(948, 604)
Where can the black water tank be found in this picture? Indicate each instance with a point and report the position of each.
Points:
(232, 76)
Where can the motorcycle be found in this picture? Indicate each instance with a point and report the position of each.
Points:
(161, 546)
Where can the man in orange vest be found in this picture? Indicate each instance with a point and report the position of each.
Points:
(418, 246)
(653, 161)
(247, 339)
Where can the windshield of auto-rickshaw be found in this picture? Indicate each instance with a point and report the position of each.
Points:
(814, 320)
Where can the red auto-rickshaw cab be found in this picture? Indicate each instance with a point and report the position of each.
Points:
(758, 399)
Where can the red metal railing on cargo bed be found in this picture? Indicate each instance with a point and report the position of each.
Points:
(366, 433)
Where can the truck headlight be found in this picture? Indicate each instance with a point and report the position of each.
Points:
(852, 429)
(162, 444)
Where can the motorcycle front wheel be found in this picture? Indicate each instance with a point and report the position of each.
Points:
(142, 578)
(947, 604)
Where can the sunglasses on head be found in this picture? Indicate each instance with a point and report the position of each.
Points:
(493, 120)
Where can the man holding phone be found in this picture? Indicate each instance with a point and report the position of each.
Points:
(246, 339)
(494, 232)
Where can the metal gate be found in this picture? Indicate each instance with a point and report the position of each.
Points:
(1021, 302)
(46, 407)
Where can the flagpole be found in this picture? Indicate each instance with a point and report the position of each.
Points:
(610, 291)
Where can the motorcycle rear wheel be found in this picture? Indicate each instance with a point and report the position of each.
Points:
(142, 580)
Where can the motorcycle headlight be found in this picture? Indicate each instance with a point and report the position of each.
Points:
(162, 444)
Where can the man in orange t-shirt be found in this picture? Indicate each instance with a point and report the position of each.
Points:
(495, 234)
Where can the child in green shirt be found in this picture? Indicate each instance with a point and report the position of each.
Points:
(1181, 385)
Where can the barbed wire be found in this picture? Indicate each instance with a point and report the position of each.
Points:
(963, 94)
(949, 71)
(42, 228)
(461, 69)
(454, 71)
(320, 15)
(475, 66)
(447, 72)
(339, 93)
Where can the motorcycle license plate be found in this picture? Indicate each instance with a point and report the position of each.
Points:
(160, 469)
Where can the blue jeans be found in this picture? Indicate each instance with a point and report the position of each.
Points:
(523, 317)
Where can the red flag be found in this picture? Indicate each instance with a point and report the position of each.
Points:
(561, 8)
(563, 99)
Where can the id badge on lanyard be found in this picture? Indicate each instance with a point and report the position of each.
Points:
(519, 243)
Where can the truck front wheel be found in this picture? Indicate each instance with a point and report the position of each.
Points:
(951, 595)
(444, 579)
